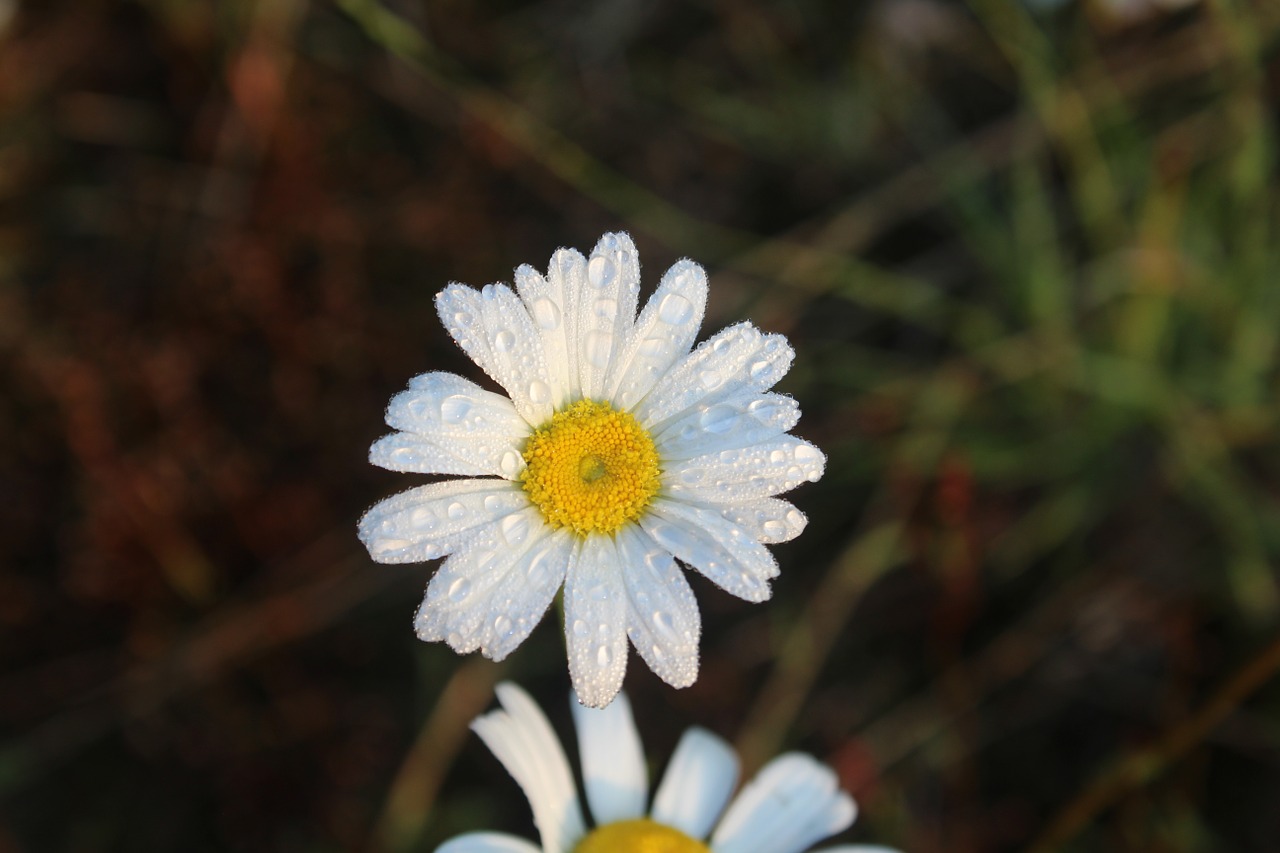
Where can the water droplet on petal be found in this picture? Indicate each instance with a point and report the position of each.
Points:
(774, 528)
(601, 271)
(422, 519)
(719, 418)
(759, 369)
(546, 313)
(504, 340)
(777, 457)
(539, 392)
(510, 464)
(456, 511)
(711, 379)
(515, 529)
(580, 628)
(502, 625)
(459, 590)
(492, 503)
(654, 346)
(603, 656)
(606, 309)
(464, 318)
(796, 519)
(807, 453)
(454, 410)
(675, 309)
(599, 345)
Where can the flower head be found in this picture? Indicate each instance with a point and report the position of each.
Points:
(793, 802)
(619, 450)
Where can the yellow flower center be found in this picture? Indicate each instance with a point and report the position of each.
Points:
(639, 836)
(591, 469)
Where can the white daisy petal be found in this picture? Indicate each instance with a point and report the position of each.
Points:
(697, 783)
(431, 521)
(416, 454)
(489, 595)
(663, 333)
(522, 739)
(547, 306)
(606, 310)
(858, 848)
(794, 801)
(595, 607)
(738, 357)
(451, 426)
(744, 419)
(705, 540)
(527, 592)
(613, 768)
(736, 476)
(768, 520)
(487, 842)
(494, 328)
(662, 615)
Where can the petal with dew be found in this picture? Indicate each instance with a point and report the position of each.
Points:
(613, 768)
(595, 611)
(489, 595)
(494, 328)
(662, 615)
(606, 310)
(433, 520)
(702, 538)
(522, 739)
(662, 334)
(741, 420)
(737, 358)
(697, 785)
(768, 520)
(737, 476)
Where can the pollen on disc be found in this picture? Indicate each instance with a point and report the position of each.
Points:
(591, 468)
(639, 836)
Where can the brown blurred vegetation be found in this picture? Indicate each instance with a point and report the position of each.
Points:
(1028, 261)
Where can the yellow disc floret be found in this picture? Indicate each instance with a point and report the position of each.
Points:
(590, 468)
(639, 836)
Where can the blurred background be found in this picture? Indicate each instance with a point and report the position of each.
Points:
(1028, 256)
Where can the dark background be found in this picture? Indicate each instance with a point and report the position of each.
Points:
(1027, 256)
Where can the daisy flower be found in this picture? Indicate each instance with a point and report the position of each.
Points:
(792, 802)
(618, 450)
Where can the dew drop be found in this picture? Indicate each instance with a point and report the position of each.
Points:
(711, 379)
(539, 392)
(665, 624)
(492, 503)
(456, 511)
(454, 410)
(606, 309)
(504, 340)
(515, 529)
(502, 625)
(459, 590)
(598, 347)
(774, 529)
(759, 370)
(719, 418)
(777, 457)
(603, 656)
(464, 318)
(580, 628)
(510, 464)
(546, 313)
(796, 520)
(807, 453)
(675, 309)
(422, 519)
(653, 347)
(601, 271)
